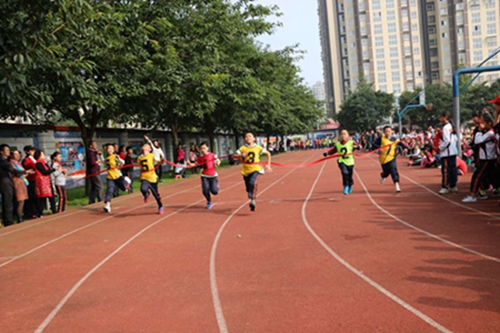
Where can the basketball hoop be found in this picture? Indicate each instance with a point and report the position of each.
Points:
(428, 106)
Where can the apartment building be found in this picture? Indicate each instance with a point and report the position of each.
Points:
(402, 44)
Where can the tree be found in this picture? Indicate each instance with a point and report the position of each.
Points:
(365, 108)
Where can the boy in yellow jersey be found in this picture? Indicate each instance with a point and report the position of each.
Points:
(149, 179)
(114, 177)
(387, 156)
(346, 161)
(251, 169)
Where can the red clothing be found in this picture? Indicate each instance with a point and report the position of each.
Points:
(122, 155)
(43, 185)
(207, 162)
(29, 164)
(462, 165)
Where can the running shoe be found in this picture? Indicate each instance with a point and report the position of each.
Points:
(209, 205)
(382, 180)
(454, 189)
(482, 196)
(252, 205)
(469, 199)
(146, 198)
(398, 189)
(346, 190)
(161, 210)
(350, 189)
(107, 207)
(444, 190)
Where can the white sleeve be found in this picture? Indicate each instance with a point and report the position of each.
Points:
(446, 139)
(483, 137)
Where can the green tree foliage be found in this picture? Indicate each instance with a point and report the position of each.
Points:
(365, 108)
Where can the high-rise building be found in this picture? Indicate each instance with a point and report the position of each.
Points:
(318, 90)
(460, 32)
(401, 44)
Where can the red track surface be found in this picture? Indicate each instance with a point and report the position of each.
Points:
(433, 268)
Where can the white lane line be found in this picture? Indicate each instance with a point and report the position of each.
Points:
(44, 220)
(219, 314)
(360, 274)
(80, 229)
(451, 201)
(466, 249)
(54, 312)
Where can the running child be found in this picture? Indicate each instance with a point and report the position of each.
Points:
(148, 178)
(387, 156)
(346, 161)
(114, 177)
(251, 169)
(208, 161)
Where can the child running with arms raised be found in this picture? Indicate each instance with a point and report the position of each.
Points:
(345, 147)
(208, 161)
(148, 178)
(387, 156)
(114, 177)
(251, 169)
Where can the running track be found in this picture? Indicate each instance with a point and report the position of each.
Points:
(308, 260)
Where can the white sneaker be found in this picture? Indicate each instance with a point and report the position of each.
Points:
(454, 189)
(127, 180)
(107, 207)
(398, 189)
(382, 180)
(444, 190)
(469, 199)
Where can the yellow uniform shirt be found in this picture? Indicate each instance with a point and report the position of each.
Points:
(112, 164)
(147, 168)
(388, 153)
(253, 156)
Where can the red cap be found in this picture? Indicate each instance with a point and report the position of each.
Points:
(496, 100)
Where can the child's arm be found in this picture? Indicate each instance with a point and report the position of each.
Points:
(330, 152)
(268, 166)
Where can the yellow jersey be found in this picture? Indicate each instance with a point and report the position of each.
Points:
(252, 156)
(387, 154)
(112, 164)
(147, 168)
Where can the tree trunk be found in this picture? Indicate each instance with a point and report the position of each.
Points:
(175, 141)
(268, 137)
(211, 138)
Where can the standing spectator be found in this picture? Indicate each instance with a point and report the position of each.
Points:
(43, 183)
(7, 186)
(28, 164)
(181, 157)
(122, 153)
(159, 157)
(193, 157)
(59, 180)
(20, 185)
(128, 171)
(448, 152)
(93, 170)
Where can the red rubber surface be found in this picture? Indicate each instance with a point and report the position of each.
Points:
(272, 274)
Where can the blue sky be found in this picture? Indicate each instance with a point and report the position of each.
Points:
(300, 26)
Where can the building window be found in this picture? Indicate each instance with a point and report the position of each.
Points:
(446, 47)
(394, 64)
(444, 35)
(433, 52)
(393, 40)
(491, 16)
(404, 3)
(379, 53)
(460, 19)
(351, 33)
(353, 45)
(477, 43)
(354, 57)
(343, 40)
(475, 4)
(408, 62)
(461, 44)
(396, 88)
(432, 42)
(377, 29)
(407, 50)
(383, 88)
(366, 67)
(365, 55)
(363, 31)
(349, 10)
(444, 23)
(395, 77)
(362, 6)
(414, 27)
(447, 60)
(478, 55)
(350, 22)
(341, 7)
(364, 42)
(431, 19)
(491, 28)
(368, 78)
(429, 7)
(460, 31)
(417, 63)
(381, 65)
(491, 41)
(461, 57)
(376, 4)
(416, 51)
(379, 41)
(409, 86)
(413, 3)
(435, 64)
(377, 17)
(393, 52)
(490, 3)
(476, 18)
(362, 18)
(413, 15)
(406, 37)
(431, 30)
(435, 75)
(443, 11)
(389, 4)
(491, 52)
(382, 78)
(391, 27)
(476, 31)
(404, 13)
(391, 16)
(406, 25)
(415, 39)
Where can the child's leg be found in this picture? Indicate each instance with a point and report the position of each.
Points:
(444, 172)
(156, 193)
(145, 188)
(350, 180)
(386, 171)
(214, 185)
(65, 200)
(394, 171)
(251, 183)
(110, 190)
(345, 174)
(452, 171)
(205, 188)
(120, 184)
(476, 178)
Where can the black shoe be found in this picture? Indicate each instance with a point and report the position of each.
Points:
(252, 205)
